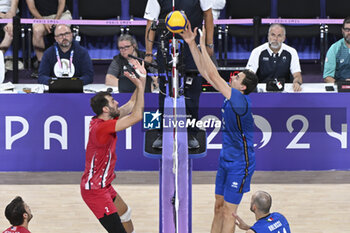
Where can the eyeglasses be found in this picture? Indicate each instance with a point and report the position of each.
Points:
(124, 48)
(63, 35)
(346, 29)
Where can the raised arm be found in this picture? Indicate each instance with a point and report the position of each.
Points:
(149, 38)
(136, 103)
(219, 83)
(128, 106)
(189, 37)
(209, 27)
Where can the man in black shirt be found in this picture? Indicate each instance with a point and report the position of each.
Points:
(276, 60)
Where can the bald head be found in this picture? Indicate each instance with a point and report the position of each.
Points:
(63, 37)
(61, 27)
(262, 200)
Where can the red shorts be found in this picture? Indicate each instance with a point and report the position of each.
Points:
(100, 201)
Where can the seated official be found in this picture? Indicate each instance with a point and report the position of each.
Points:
(337, 64)
(66, 58)
(276, 60)
(115, 74)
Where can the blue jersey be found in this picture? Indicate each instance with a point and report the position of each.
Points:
(237, 133)
(273, 223)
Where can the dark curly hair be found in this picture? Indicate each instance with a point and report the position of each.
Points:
(14, 211)
(99, 101)
(250, 81)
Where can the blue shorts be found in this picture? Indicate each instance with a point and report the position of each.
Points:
(231, 185)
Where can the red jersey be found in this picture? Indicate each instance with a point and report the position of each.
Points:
(16, 229)
(100, 154)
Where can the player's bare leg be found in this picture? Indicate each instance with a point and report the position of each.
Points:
(218, 214)
(38, 40)
(228, 225)
(123, 213)
(6, 42)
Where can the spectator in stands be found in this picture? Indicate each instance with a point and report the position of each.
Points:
(127, 45)
(8, 9)
(45, 9)
(218, 5)
(196, 11)
(276, 60)
(265, 221)
(18, 213)
(65, 58)
(337, 64)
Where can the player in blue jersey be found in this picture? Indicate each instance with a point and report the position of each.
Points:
(237, 158)
(266, 222)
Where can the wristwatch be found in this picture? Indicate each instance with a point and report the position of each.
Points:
(211, 46)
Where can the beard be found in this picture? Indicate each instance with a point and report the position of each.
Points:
(30, 216)
(275, 45)
(65, 43)
(113, 113)
(347, 39)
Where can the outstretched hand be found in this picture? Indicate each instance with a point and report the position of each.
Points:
(140, 69)
(202, 37)
(240, 223)
(188, 35)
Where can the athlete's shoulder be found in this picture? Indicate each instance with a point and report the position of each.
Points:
(16, 229)
(277, 215)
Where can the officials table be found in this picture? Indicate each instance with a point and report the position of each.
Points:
(293, 131)
(92, 88)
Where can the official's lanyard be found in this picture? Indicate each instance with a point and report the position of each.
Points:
(59, 59)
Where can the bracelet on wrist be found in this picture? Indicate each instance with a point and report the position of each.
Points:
(148, 55)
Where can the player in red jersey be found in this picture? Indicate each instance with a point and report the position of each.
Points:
(96, 189)
(18, 213)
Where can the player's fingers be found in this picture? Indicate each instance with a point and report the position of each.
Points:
(237, 217)
(195, 31)
(189, 25)
(129, 75)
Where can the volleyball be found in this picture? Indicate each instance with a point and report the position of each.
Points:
(176, 21)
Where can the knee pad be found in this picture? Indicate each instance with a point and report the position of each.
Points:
(126, 216)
